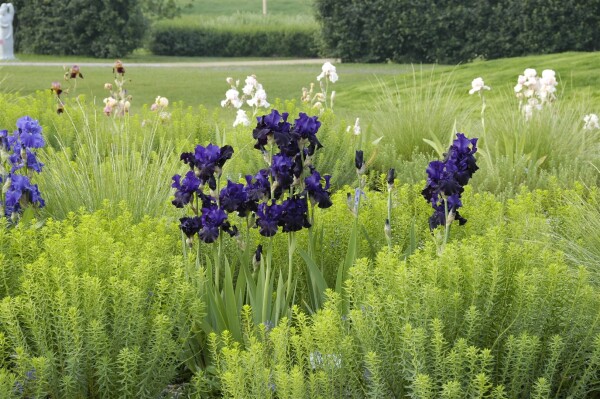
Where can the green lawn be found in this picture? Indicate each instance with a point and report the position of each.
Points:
(357, 88)
(227, 7)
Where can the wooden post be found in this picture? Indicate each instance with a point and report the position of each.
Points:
(264, 7)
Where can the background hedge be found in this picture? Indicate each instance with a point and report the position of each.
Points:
(98, 28)
(449, 32)
(216, 39)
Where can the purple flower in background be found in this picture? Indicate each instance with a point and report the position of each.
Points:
(212, 219)
(268, 218)
(30, 132)
(316, 192)
(295, 214)
(190, 225)
(185, 189)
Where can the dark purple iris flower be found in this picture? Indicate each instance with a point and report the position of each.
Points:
(30, 132)
(185, 189)
(461, 156)
(306, 128)
(282, 168)
(32, 162)
(295, 214)
(268, 218)
(260, 188)
(212, 219)
(190, 225)
(440, 180)
(276, 127)
(207, 160)
(233, 198)
(445, 180)
(21, 192)
(316, 192)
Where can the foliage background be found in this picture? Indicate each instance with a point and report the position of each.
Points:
(447, 32)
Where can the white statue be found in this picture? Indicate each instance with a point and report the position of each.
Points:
(7, 41)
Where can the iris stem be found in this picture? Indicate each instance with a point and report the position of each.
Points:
(389, 209)
(267, 280)
(291, 249)
(447, 227)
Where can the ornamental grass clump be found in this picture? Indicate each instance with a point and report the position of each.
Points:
(445, 183)
(18, 162)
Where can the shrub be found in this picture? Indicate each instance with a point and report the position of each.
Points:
(442, 31)
(238, 36)
(101, 29)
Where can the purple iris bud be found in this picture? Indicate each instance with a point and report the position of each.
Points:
(185, 189)
(316, 192)
(295, 214)
(390, 177)
(4, 144)
(359, 161)
(30, 132)
(190, 225)
(257, 256)
(258, 253)
(268, 218)
(212, 219)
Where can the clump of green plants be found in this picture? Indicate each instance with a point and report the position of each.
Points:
(489, 317)
(103, 307)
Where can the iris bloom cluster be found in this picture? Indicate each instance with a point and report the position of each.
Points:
(275, 197)
(534, 91)
(446, 180)
(18, 162)
(253, 94)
